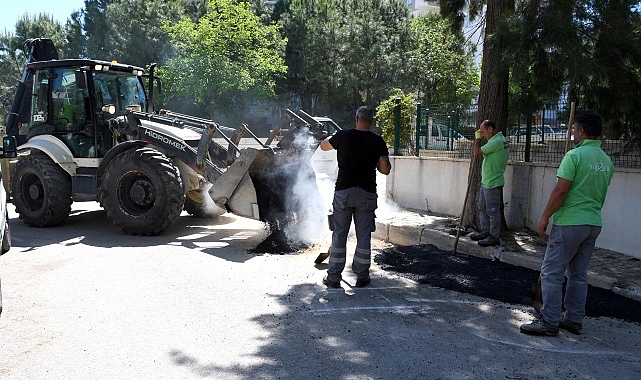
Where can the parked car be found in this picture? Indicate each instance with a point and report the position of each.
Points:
(8, 151)
(326, 162)
(441, 138)
(518, 133)
(5, 233)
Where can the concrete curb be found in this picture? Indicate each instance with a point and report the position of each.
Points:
(405, 235)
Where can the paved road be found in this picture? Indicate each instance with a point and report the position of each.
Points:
(84, 301)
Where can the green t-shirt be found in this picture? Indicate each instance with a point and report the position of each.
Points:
(590, 171)
(495, 155)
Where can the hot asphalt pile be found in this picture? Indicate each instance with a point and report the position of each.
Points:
(279, 243)
(427, 264)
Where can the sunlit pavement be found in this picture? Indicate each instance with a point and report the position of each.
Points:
(85, 301)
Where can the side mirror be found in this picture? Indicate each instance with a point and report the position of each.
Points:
(9, 147)
(81, 79)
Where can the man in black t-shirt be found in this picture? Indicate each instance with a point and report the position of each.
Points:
(360, 153)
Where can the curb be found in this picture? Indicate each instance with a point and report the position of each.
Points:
(406, 235)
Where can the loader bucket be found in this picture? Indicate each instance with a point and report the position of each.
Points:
(267, 185)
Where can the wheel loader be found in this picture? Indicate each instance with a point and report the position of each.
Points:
(87, 130)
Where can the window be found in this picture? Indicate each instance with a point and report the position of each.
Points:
(68, 100)
(120, 89)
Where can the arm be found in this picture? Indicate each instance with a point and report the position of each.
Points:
(384, 165)
(557, 197)
(325, 145)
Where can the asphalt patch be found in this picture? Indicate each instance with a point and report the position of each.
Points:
(279, 243)
(427, 264)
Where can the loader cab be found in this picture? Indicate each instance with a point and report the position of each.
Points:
(60, 106)
(73, 100)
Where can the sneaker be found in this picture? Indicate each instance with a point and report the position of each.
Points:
(539, 327)
(476, 236)
(489, 242)
(573, 327)
(362, 282)
(330, 283)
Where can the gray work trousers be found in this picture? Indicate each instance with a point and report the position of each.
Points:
(358, 204)
(490, 211)
(568, 253)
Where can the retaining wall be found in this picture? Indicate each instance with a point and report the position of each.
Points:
(439, 185)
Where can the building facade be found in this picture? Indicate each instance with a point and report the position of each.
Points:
(421, 7)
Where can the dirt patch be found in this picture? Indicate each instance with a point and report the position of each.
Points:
(427, 264)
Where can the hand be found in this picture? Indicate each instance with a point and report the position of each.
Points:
(478, 134)
(543, 225)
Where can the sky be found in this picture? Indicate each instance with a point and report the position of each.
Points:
(12, 10)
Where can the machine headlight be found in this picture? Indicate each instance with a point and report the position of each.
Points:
(109, 108)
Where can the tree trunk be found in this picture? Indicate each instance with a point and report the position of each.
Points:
(493, 95)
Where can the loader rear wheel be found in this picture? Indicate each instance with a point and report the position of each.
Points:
(142, 192)
(41, 191)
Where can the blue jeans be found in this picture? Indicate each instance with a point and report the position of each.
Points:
(568, 252)
(490, 211)
(358, 204)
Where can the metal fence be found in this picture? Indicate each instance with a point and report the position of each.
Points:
(448, 131)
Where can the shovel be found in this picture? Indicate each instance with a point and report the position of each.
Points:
(536, 296)
(322, 257)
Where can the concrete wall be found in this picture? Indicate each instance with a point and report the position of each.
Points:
(438, 185)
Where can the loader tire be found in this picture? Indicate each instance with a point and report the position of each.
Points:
(198, 208)
(142, 192)
(41, 191)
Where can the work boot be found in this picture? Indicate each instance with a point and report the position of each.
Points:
(331, 284)
(489, 242)
(573, 327)
(476, 236)
(362, 282)
(540, 327)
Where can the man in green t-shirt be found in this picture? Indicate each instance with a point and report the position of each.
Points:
(495, 155)
(575, 208)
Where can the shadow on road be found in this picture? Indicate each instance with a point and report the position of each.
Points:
(226, 236)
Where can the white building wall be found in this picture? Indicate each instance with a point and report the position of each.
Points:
(439, 185)
(421, 7)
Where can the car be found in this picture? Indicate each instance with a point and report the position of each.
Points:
(326, 162)
(9, 150)
(5, 232)
(518, 133)
(441, 138)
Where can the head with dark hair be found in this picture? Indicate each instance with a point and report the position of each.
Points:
(489, 123)
(590, 122)
(488, 129)
(365, 113)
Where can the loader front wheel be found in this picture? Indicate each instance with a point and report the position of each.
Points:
(198, 205)
(142, 192)
(41, 191)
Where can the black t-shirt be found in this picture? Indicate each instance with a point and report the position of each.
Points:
(358, 154)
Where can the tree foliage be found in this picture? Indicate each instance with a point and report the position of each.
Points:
(12, 56)
(442, 63)
(342, 54)
(223, 61)
(386, 118)
(587, 51)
